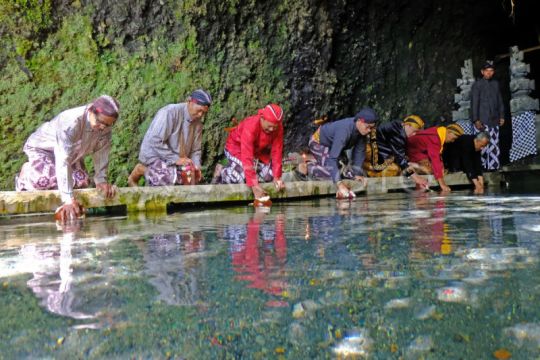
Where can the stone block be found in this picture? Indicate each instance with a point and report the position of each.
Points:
(521, 84)
(523, 103)
(461, 114)
(520, 69)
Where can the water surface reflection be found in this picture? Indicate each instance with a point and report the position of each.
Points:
(390, 276)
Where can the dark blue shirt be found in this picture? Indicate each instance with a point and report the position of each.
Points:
(339, 136)
(486, 102)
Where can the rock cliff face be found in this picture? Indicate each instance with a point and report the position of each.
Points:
(313, 57)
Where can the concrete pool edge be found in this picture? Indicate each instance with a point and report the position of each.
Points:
(156, 199)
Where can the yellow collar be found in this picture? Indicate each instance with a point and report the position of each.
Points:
(441, 131)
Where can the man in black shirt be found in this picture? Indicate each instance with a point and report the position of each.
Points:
(391, 146)
(464, 155)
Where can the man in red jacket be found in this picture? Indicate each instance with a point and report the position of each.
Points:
(254, 150)
(425, 149)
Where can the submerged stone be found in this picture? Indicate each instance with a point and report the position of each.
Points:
(426, 312)
(398, 304)
(419, 346)
(304, 308)
(356, 343)
(452, 294)
(296, 333)
(524, 333)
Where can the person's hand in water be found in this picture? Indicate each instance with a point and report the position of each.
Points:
(445, 189)
(344, 192)
(258, 191)
(420, 182)
(478, 186)
(69, 211)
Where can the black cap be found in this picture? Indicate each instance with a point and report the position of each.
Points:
(488, 65)
(368, 114)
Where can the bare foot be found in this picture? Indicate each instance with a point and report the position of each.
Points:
(302, 168)
(216, 177)
(131, 182)
(133, 178)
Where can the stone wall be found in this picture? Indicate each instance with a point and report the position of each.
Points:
(313, 57)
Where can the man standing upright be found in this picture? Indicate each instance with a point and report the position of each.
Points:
(488, 114)
(171, 149)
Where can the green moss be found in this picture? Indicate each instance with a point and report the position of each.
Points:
(70, 69)
(156, 205)
(237, 197)
(25, 331)
(22, 22)
(20, 208)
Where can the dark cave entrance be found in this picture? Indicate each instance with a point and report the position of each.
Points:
(521, 30)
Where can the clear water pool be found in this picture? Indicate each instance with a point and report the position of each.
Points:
(394, 276)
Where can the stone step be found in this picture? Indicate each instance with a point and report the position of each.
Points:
(156, 199)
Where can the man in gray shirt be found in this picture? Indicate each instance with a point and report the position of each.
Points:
(171, 149)
(488, 114)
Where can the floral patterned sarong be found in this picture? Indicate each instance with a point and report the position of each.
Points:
(39, 173)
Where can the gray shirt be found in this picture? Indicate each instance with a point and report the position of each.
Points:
(162, 139)
(70, 138)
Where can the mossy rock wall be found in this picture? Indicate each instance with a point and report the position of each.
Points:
(312, 57)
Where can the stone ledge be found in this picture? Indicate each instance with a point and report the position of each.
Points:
(157, 198)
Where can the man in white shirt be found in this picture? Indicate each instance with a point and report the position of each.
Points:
(56, 152)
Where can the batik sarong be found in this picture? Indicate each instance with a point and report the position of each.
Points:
(233, 172)
(523, 136)
(318, 169)
(467, 126)
(159, 173)
(39, 173)
(491, 153)
(424, 167)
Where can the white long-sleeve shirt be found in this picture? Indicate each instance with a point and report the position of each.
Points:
(70, 138)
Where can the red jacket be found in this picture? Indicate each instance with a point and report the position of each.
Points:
(248, 142)
(426, 144)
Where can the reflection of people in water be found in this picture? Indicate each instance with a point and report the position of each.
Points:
(431, 234)
(57, 295)
(490, 228)
(332, 235)
(259, 253)
(173, 272)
